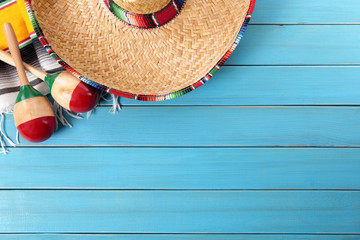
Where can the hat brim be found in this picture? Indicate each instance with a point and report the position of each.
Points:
(148, 65)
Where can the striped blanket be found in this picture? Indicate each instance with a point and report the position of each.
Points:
(32, 51)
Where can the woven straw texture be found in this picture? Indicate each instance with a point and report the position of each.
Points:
(142, 6)
(88, 37)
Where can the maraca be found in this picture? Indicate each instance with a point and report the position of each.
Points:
(34, 117)
(67, 90)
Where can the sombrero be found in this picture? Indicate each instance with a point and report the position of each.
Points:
(149, 50)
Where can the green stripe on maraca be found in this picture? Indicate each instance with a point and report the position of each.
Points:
(26, 92)
(33, 114)
(66, 89)
(50, 79)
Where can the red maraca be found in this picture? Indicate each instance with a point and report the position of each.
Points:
(34, 117)
(67, 90)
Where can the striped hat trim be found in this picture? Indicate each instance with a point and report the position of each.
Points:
(146, 21)
(151, 98)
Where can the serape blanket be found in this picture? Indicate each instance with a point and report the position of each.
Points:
(33, 53)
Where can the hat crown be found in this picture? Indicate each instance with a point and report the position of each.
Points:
(142, 6)
(159, 12)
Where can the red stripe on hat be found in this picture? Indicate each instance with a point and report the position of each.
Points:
(166, 15)
(252, 6)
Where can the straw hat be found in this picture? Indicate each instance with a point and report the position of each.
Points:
(149, 50)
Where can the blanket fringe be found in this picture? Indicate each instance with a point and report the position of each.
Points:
(3, 136)
(116, 106)
(60, 116)
(115, 102)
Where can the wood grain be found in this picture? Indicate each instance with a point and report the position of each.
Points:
(293, 81)
(32, 108)
(212, 126)
(272, 86)
(176, 237)
(306, 12)
(179, 212)
(298, 45)
(12, 43)
(181, 168)
(63, 88)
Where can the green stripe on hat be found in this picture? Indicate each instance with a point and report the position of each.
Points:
(119, 12)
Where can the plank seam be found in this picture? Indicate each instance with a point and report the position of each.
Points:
(178, 233)
(178, 147)
(174, 190)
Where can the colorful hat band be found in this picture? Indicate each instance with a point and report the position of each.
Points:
(146, 21)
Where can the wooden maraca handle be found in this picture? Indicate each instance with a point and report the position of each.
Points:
(7, 58)
(15, 53)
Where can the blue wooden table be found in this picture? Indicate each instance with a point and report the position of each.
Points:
(268, 149)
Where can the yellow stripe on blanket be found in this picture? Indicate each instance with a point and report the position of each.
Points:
(16, 15)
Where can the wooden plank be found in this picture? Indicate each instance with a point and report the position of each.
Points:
(181, 168)
(212, 126)
(179, 212)
(273, 86)
(298, 45)
(306, 12)
(175, 237)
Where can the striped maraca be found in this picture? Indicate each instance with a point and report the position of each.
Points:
(67, 90)
(34, 117)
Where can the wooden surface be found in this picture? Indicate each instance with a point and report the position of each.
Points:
(268, 149)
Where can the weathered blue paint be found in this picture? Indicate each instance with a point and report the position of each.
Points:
(178, 237)
(299, 45)
(213, 126)
(233, 155)
(182, 168)
(180, 211)
(234, 86)
(306, 12)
